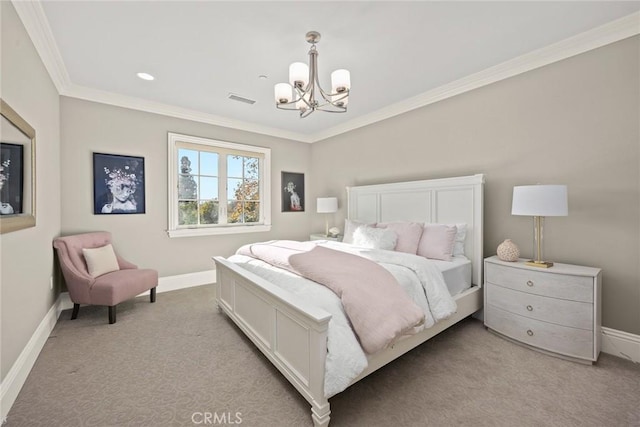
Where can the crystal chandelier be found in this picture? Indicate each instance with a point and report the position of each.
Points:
(303, 92)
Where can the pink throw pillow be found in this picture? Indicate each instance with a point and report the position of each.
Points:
(437, 241)
(408, 235)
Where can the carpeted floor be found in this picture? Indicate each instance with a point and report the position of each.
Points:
(179, 362)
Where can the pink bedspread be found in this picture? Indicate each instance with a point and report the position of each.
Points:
(377, 307)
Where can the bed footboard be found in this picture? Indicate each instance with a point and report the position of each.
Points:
(293, 337)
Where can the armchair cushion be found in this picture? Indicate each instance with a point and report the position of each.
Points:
(100, 260)
(129, 284)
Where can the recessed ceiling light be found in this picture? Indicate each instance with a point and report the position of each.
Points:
(145, 76)
(263, 77)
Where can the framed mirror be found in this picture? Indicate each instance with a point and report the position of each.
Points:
(17, 171)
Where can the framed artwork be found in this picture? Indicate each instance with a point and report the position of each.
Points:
(292, 186)
(11, 178)
(17, 171)
(118, 184)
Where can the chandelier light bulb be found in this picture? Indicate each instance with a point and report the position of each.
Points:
(340, 81)
(299, 74)
(283, 93)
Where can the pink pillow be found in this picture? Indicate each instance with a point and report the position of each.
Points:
(408, 235)
(437, 241)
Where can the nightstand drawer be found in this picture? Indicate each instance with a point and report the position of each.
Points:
(559, 339)
(576, 288)
(558, 311)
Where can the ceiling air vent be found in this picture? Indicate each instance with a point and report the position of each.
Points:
(241, 98)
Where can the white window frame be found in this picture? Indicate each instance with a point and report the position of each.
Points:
(264, 154)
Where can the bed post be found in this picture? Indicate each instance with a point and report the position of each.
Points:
(320, 409)
(320, 415)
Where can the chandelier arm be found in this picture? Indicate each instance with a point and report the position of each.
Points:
(341, 110)
(283, 106)
(302, 97)
(327, 95)
(305, 113)
(329, 98)
(330, 107)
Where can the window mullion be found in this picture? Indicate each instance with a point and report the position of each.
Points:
(222, 187)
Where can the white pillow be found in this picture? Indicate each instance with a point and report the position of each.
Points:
(350, 226)
(375, 238)
(458, 243)
(101, 260)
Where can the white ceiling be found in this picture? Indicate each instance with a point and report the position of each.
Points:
(201, 51)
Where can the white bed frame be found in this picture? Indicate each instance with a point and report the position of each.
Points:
(294, 336)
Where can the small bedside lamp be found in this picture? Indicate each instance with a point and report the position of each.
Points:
(539, 201)
(327, 205)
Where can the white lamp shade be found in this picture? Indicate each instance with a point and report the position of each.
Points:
(298, 72)
(540, 200)
(340, 80)
(327, 204)
(283, 92)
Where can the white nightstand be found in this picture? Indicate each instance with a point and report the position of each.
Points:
(555, 310)
(321, 236)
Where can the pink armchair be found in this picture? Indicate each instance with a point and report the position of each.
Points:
(109, 289)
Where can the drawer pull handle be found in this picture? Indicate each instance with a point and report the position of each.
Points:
(529, 308)
(529, 283)
(529, 332)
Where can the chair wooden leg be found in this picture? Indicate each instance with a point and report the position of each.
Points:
(74, 313)
(112, 314)
(152, 295)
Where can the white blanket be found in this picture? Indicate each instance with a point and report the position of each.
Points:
(422, 281)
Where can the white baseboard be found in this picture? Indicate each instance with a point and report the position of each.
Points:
(183, 281)
(621, 344)
(13, 382)
(17, 375)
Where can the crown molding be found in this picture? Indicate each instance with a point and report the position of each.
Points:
(35, 22)
(611, 32)
(37, 26)
(119, 100)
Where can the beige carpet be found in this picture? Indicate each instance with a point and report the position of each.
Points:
(172, 362)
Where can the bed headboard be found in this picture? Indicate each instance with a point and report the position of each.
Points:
(445, 201)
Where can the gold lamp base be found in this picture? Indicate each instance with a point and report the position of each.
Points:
(540, 264)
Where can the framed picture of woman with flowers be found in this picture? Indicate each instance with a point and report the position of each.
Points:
(118, 184)
(11, 178)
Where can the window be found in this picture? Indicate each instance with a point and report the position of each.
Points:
(217, 187)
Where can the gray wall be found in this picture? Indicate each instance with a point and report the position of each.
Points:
(26, 256)
(89, 127)
(575, 122)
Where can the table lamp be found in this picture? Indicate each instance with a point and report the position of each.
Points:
(327, 205)
(539, 201)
